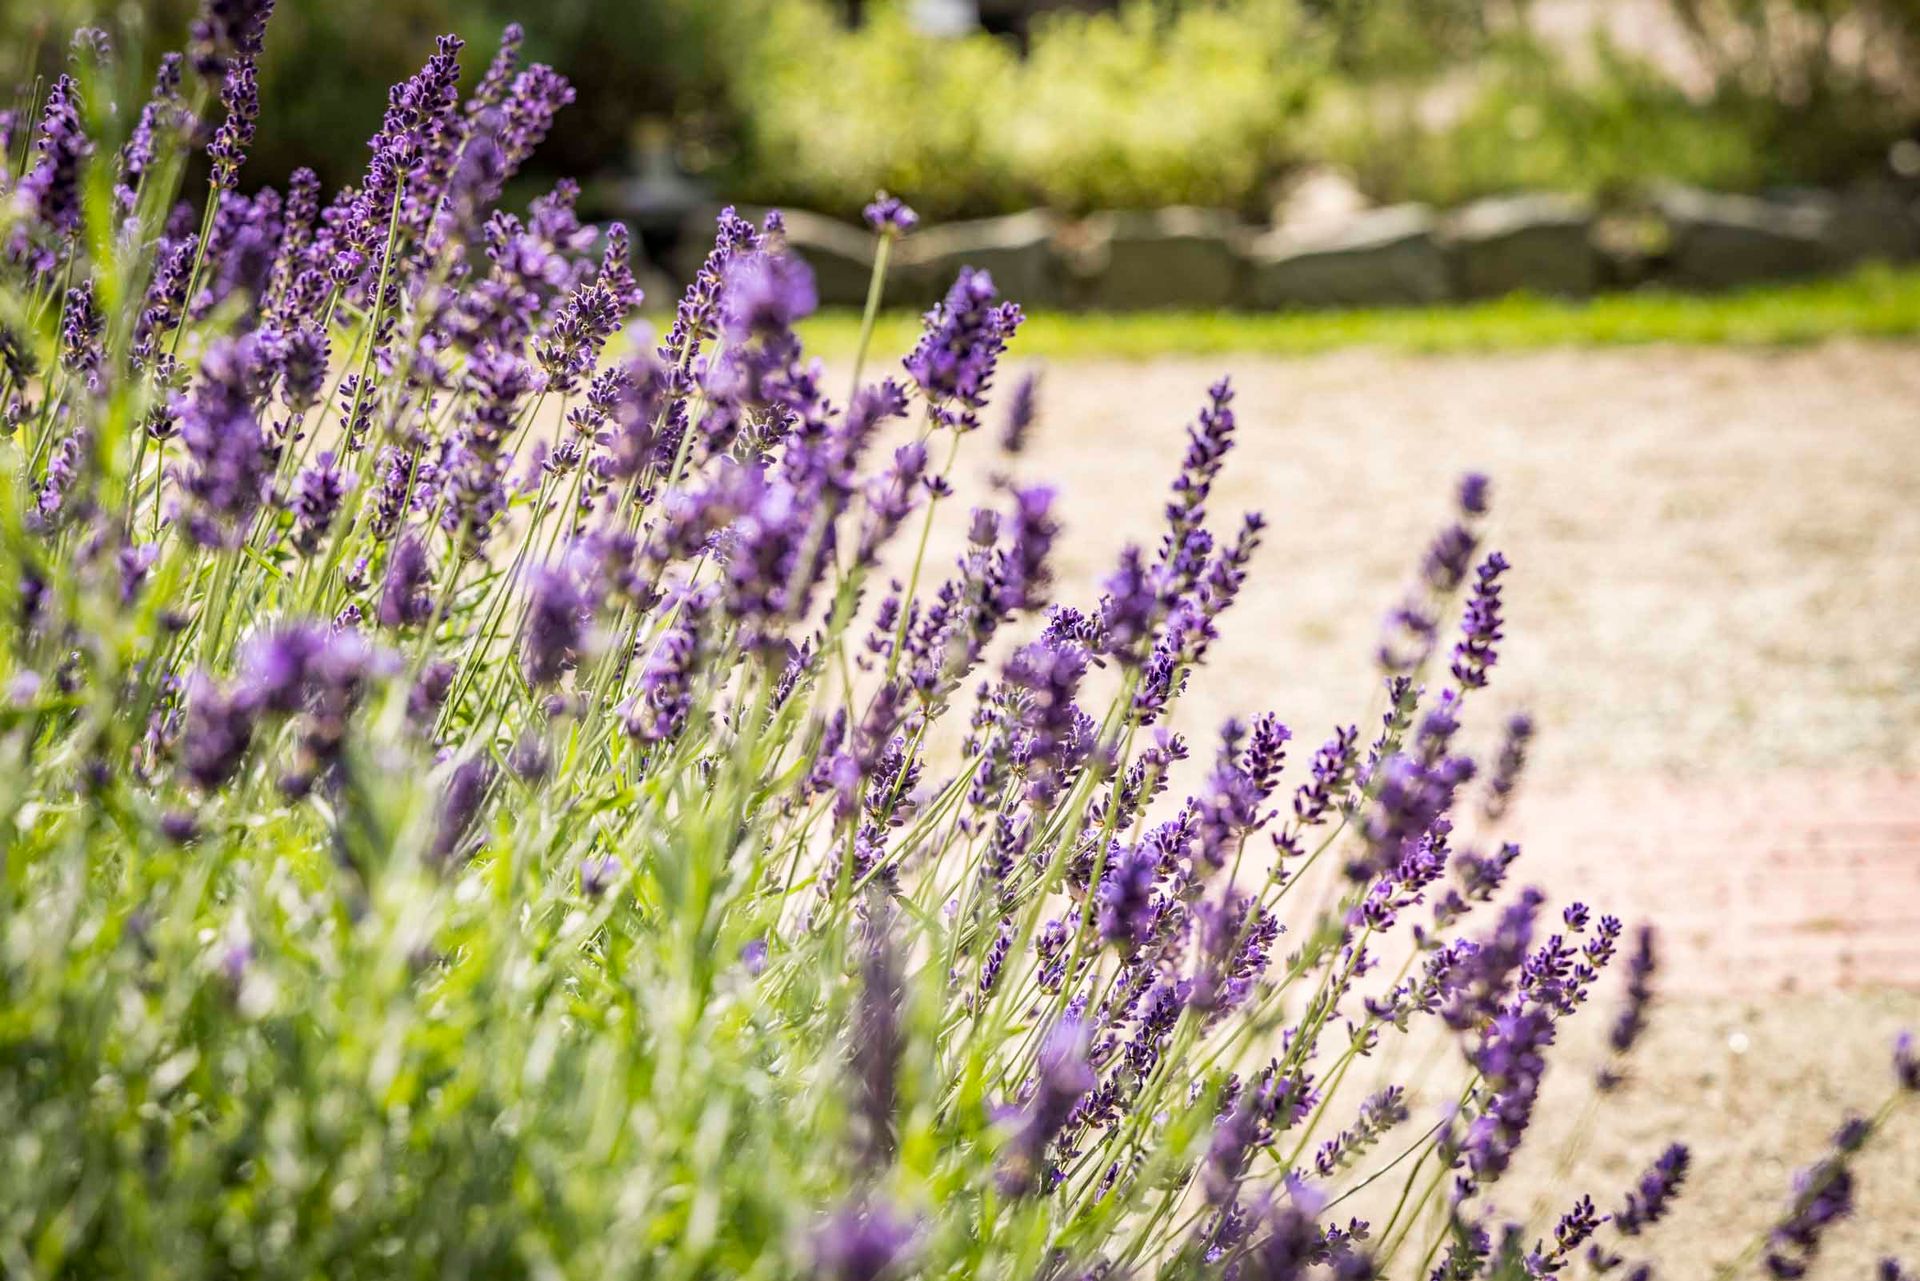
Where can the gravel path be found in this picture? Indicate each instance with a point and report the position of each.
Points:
(1717, 552)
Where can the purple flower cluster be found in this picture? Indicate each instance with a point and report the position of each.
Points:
(1632, 1019)
(959, 350)
(1022, 409)
(49, 191)
(1823, 1194)
(228, 29)
(890, 216)
(230, 460)
(1647, 1204)
(308, 673)
(1061, 1079)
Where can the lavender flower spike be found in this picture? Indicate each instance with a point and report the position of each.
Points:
(890, 216)
(954, 363)
(862, 1242)
(1063, 1078)
(1021, 411)
(1647, 1204)
(1632, 1020)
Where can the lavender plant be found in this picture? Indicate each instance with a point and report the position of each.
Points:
(489, 794)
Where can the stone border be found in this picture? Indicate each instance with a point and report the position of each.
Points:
(1540, 243)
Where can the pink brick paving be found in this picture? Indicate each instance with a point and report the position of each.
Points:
(1766, 883)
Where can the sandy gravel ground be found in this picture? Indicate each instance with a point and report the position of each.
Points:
(1717, 552)
(1715, 616)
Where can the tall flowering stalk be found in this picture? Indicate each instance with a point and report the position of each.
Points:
(479, 800)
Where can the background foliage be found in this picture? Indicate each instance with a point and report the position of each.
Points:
(1158, 102)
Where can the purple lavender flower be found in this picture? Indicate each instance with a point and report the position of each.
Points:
(1129, 607)
(1291, 1243)
(1474, 491)
(1508, 766)
(1480, 628)
(1379, 1112)
(394, 491)
(1026, 576)
(1209, 440)
(597, 873)
(50, 189)
(304, 353)
(959, 349)
(616, 268)
(1571, 1232)
(890, 498)
(1632, 1020)
(461, 798)
(763, 294)
(1240, 1129)
(1906, 1063)
(694, 318)
(231, 462)
(1047, 675)
(889, 215)
(1411, 795)
(227, 29)
(429, 694)
(317, 494)
(242, 246)
(863, 1242)
(1648, 1203)
(533, 100)
(81, 325)
(1483, 979)
(404, 598)
(1233, 936)
(558, 607)
(240, 100)
(163, 306)
(665, 697)
(1332, 776)
(179, 827)
(492, 89)
(162, 120)
(1022, 408)
(218, 732)
(572, 344)
(995, 958)
(1062, 1078)
(1511, 1060)
(134, 561)
(1127, 910)
(1822, 1196)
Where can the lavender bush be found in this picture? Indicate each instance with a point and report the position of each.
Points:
(488, 796)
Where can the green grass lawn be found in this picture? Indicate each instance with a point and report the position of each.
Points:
(1875, 302)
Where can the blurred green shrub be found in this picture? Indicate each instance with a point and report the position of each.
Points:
(1533, 122)
(1370, 38)
(328, 64)
(1203, 108)
(629, 61)
(1821, 86)
(1789, 92)
(1160, 104)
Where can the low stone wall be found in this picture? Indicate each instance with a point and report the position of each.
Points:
(1405, 254)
